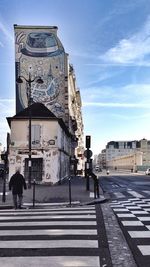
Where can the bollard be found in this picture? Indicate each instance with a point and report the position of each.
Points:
(70, 191)
(96, 185)
(33, 193)
(97, 188)
(4, 186)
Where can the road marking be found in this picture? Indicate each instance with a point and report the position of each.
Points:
(59, 261)
(134, 208)
(144, 219)
(144, 205)
(139, 212)
(85, 216)
(41, 223)
(119, 194)
(145, 249)
(139, 234)
(63, 238)
(125, 215)
(132, 223)
(48, 232)
(120, 209)
(48, 212)
(50, 244)
(135, 194)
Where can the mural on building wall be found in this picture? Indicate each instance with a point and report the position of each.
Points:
(40, 52)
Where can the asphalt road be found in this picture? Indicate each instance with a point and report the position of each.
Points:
(116, 182)
(129, 197)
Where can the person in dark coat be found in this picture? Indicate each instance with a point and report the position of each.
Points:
(16, 184)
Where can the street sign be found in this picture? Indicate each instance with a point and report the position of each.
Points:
(88, 153)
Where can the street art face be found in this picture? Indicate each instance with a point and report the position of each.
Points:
(40, 53)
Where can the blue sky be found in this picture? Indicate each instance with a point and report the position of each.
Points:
(108, 42)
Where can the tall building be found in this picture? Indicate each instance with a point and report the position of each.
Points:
(40, 53)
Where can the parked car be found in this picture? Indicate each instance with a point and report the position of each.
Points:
(147, 171)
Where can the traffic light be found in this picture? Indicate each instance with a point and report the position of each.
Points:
(88, 141)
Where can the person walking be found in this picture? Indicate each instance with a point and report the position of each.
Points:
(16, 184)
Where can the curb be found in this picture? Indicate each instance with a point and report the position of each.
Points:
(50, 205)
(96, 201)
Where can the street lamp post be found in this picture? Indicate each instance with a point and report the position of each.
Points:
(29, 81)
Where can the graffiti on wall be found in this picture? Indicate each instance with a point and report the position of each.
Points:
(40, 53)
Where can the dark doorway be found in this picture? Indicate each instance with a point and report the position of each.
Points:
(37, 166)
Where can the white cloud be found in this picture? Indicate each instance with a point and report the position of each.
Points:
(7, 34)
(131, 94)
(131, 117)
(132, 50)
(142, 89)
(116, 105)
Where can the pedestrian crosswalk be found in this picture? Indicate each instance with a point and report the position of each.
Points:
(129, 193)
(61, 237)
(134, 218)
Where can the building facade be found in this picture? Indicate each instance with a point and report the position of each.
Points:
(50, 141)
(76, 120)
(40, 53)
(131, 162)
(123, 151)
(101, 159)
(119, 148)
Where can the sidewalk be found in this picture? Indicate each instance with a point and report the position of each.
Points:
(56, 194)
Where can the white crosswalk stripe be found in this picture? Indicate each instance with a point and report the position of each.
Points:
(129, 193)
(135, 222)
(118, 194)
(134, 193)
(49, 237)
(60, 261)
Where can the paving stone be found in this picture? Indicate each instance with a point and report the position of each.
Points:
(120, 253)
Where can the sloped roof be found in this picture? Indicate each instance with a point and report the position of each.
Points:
(38, 110)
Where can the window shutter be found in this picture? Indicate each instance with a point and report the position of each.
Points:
(35, 134)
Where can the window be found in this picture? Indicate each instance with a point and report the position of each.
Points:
(35, 135)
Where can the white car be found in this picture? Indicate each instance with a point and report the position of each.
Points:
(147, 172)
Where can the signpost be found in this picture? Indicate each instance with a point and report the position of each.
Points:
(88, 154)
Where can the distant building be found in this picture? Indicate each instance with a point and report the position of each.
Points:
(133, 162)
(102, 159)
(119, 150)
